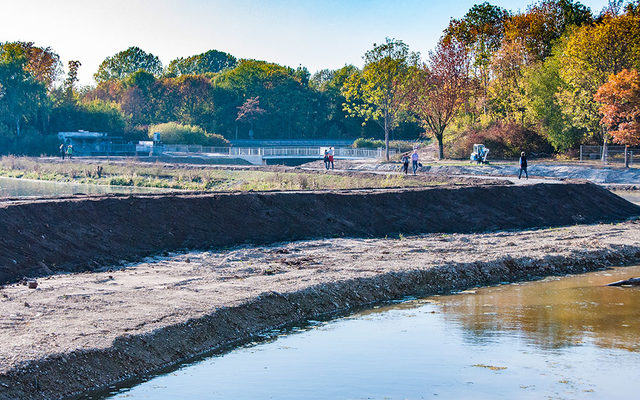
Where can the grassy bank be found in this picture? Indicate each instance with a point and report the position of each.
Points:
(190, 178)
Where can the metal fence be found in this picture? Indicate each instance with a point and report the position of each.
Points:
(107, 149)
(608, 154)
(309, 151)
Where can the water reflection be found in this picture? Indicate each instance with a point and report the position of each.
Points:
(10, 187)
(560, 338)
(554, 313)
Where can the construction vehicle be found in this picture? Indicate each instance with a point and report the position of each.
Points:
(479, 155)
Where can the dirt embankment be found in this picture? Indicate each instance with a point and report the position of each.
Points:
(79, 234)
(86, 331)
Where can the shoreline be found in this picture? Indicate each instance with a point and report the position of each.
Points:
(362, 272)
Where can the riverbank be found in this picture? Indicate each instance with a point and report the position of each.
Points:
(87, 331)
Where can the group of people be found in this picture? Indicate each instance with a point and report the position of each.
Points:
(414, 161)
(66, 151)
(328, 157)
(415, 164)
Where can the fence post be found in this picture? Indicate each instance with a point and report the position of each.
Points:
(580, 152)
(626, 156)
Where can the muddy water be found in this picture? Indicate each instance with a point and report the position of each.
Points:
(560, 338)
(10, 187)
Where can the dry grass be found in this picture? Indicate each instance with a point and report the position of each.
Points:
(176, 177)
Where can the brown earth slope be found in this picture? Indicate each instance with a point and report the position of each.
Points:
(78, 332)
(40, 237)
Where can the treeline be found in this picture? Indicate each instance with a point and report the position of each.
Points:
(513, 81)
(537, 74)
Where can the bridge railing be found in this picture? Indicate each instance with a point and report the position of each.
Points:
(292, 152)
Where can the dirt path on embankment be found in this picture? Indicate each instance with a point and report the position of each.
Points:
(90, 330)
(41, 237)
(609, 176)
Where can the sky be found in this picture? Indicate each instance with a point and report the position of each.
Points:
(316, 34)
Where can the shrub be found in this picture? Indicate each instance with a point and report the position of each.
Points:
(93, 116)
(401, 145)
(121, 181)
(504, 139)
(407, 145)
(175, 133)
(367, 143)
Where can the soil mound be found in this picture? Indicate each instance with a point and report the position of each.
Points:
(40, 237)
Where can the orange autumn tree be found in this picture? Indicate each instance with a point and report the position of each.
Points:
(620, 106)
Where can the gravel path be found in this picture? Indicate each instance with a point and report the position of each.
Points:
(541, 171)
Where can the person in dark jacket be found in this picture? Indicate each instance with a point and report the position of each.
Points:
(523, 166)
(405, 163)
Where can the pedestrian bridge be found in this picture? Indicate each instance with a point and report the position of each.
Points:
(253, 155)
(271, 155)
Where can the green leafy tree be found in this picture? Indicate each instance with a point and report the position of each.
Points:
(377, 93)
(212, 61)
(542, 83)
(94, 115)
(285, 94)
(125, 63)
(21, 93)
(336, 121)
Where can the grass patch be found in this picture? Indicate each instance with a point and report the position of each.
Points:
(189, 177)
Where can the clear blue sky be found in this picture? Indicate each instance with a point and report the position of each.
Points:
(313, 33)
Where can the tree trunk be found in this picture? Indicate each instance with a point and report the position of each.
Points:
(386, 136)
(440, 147)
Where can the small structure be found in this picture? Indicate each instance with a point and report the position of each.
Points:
(84, 141)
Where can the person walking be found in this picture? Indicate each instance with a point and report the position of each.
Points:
(523, 166)
(331, 152)
(69, 151)
(405, 163)
(414, 160)
(326, 159)
(62, 151)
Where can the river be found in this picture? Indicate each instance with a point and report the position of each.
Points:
(11, 187)
(561, 338)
